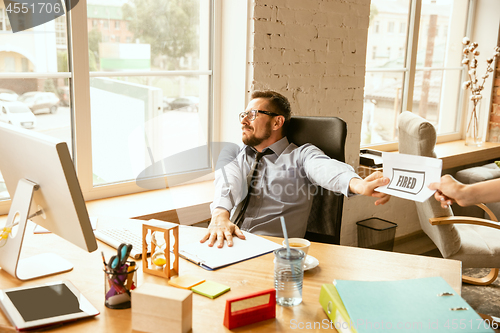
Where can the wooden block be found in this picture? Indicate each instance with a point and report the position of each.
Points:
(157, 308)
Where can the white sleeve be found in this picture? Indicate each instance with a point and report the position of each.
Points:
(230, 186)
(328, 173)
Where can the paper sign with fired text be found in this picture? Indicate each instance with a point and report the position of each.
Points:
(410, 175)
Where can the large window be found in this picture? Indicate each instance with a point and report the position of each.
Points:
(148, 98)
(126, 97)
(423, 76)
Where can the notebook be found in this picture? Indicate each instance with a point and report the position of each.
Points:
(212, 258)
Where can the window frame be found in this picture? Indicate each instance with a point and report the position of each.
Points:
(409, 71)
(2, 20)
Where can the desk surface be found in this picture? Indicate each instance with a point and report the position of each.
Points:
(456, 153)
(336, 262)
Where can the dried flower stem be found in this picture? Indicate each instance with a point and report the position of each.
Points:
(470, 53)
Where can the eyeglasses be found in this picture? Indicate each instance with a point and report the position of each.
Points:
(252, 114)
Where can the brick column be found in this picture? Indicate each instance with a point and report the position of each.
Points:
(313, 51)
(493, 134)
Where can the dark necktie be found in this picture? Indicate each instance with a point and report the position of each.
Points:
(237, 217)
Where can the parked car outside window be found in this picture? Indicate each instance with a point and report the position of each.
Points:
(63, 95)
(40, 101)
(17, 114)
(8, 95)
(185, 103)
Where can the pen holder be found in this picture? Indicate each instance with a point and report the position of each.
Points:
(117, 286)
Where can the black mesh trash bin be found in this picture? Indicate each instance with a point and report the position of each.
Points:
(375, 233)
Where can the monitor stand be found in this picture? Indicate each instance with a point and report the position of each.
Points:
(32, 267)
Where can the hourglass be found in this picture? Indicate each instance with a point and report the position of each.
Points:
(164, 238)
(158, 257)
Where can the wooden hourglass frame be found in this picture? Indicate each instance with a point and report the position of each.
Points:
(171, 268)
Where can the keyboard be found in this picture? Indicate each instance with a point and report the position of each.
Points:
(116, 236)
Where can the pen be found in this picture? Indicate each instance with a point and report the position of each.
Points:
(130, 275)
(103, 259)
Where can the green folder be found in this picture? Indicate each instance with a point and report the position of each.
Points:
(416, 305)
(210, 289)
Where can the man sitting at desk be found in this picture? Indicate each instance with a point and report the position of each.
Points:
(279, 177)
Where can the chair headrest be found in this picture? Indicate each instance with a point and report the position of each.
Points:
(417, 136)
(326, 133)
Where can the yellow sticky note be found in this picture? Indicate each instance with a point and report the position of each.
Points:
(210, 289)
(185, 281)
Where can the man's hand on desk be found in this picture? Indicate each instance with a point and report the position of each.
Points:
(221, 228)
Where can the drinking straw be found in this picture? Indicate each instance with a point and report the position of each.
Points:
(283, 226)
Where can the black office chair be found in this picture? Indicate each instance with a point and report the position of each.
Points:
(329, 135)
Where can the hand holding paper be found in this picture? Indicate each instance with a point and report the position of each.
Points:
(410, 175)
(369, 185)
(450, 190)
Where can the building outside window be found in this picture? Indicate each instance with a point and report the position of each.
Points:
(9, 64)
(61, 36)
(425, 80)
(402, 27)
(24, 64)
(390, 27)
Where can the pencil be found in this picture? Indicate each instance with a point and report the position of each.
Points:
(103, 259)
(130, 275)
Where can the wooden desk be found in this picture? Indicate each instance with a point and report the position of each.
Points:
(456, 153)
(185, 204)
(336, 262)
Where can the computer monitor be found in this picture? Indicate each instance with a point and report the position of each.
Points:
(41, 179)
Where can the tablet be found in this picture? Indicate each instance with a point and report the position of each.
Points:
(43, 305)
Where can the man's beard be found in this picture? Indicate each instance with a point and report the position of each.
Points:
(252, 141)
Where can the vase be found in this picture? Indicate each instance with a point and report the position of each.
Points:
(474, 134)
